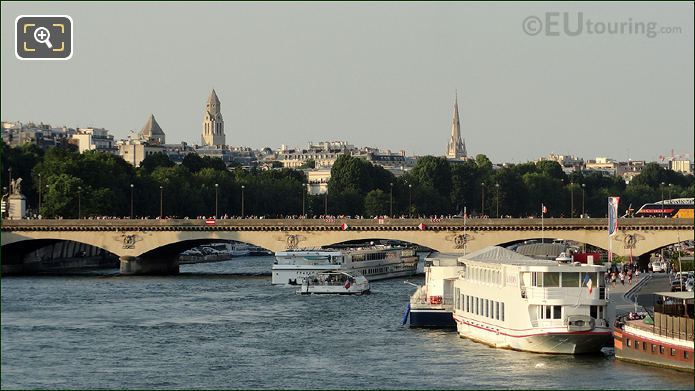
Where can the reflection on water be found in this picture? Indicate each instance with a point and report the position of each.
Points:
(222, 325)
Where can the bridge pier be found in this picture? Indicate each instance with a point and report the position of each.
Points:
(139, 265)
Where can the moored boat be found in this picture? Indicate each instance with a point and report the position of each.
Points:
(335, 283)
(431, 305)
(508, 300)
(664, 339)
(377, 262)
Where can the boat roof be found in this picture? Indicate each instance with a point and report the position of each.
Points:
(497, 254)
(678, 295)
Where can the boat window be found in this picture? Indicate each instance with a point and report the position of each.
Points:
(629, 343)
(537, 279)
(487, 308)
(644, 346)
(593, 311)
(661, 349)
(557, 312)
(673, 351)
(636, 344)
(502, 308)
(653, 348)
(685, 354)
(497, 310)
(570, 280)
(547, 312)
(551, 279)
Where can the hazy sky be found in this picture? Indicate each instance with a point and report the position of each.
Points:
(373, 74)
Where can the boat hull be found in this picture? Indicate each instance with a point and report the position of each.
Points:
(432, 318)
(538, 340)
(641, 351)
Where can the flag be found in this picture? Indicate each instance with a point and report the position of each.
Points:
(344, 227)
(589, 284)
(544, 210)
(347, 285)
(586, 280)
(613, 215)
(210, 221)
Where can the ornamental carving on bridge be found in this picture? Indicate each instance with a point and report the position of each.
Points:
(459, 240)
(129, 240)
(629, 240)
(292, 241)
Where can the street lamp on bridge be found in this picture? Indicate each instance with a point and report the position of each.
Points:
(583, 190)
(242, 200)
(482, 202)
(40, 191)
(217, 188)
(662, 199)
(391, 201)
(79, 202)
(410, 199)
(161, 202)
(132, 187)
(305, 186)
(572, 199)
(497, 212)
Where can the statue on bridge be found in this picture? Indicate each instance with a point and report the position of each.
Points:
(16, 186)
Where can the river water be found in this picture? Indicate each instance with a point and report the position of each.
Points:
(223, 325)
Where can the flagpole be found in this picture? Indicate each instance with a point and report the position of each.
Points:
(464, 230)
(542, 225)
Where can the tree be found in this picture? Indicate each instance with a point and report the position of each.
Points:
(433, 172)
(155, 160)
(376, 203)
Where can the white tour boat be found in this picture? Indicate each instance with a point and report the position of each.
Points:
(336, 283)
(432, 304)
(508, 300)
(374, 262)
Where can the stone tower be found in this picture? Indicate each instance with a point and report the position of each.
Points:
(152, 132)
(213, 124)
(456, 149)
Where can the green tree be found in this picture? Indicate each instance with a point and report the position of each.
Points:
(155, 160)
(376, 203)
(434, 172)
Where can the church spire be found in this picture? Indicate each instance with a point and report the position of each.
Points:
(456, 149)
(213, 124)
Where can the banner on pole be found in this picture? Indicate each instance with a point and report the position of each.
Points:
(613, 215)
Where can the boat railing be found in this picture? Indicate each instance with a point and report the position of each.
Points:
(677, 327)
(537, 293)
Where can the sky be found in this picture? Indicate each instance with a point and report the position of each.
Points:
(373, 74)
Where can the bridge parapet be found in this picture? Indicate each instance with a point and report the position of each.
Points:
(595, 224)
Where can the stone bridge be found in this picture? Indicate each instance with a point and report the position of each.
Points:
(152, 246)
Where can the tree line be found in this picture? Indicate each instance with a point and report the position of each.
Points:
(98, 184)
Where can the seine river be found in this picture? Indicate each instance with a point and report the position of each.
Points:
(223, 325)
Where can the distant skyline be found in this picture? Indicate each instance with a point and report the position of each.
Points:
(372, 74)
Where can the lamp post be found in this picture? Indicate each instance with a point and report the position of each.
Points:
(571, 199)
(47, 188)
(670, 188)
(40, 192)
(242, 200)
(161, 202)
(325, 203)
(583, 190)
(497, 212)
(662, 199)
(391, 201)
(410, 199)
(217, 188)
(304, 187)
(132, 187)
(482, 202)
(79, 202)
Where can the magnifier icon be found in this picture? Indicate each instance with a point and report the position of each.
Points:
(42, 35)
